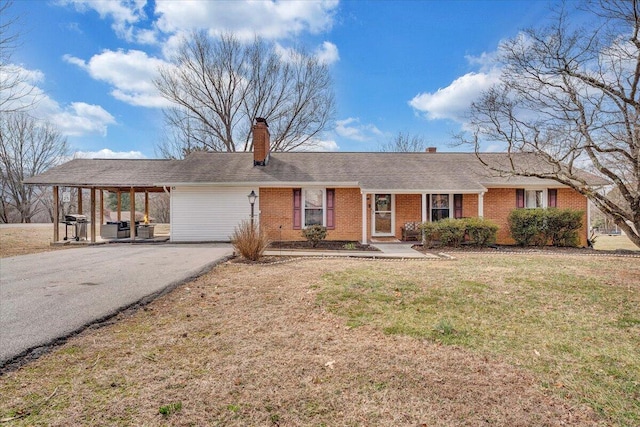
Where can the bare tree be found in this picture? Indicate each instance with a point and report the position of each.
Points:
(27, 148)
(571, 95)
(405, 143)
(15, 92)
(220, 85)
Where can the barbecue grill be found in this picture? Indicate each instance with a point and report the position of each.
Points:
(78, 223)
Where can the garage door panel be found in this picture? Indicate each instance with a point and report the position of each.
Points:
(207, 213)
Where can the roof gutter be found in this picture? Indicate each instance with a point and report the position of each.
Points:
(278, 184)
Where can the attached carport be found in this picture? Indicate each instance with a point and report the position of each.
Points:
(104, 175)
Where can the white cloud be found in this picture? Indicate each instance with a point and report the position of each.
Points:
(80, 119)
(485, 62)
(327, 53)
(268, 19)
(125, 13)
(131, 73)
(75, 119)
(453, 101)
(320, 145)
(106, 153)
(351, 128)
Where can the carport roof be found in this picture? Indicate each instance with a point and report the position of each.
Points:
(411, 172)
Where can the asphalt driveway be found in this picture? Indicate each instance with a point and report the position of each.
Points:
(51, 295)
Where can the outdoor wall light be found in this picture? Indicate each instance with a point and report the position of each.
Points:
(252, 201)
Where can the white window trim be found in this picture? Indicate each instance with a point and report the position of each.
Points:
(303, 209)
(451, 207)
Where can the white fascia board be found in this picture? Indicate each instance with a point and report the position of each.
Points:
(546, 183)
(279, 184)
(425, 191)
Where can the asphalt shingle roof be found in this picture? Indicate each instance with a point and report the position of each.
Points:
(412, 172)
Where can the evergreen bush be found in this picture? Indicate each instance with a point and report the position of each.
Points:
(541, 227)
(314, 234)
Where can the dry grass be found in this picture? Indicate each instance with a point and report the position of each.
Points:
(282, 345)
(23, 239)
(27, 239)
(611, 243)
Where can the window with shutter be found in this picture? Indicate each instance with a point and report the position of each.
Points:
(552, 196)
(331, 196)
(457, 205)
(520, 198)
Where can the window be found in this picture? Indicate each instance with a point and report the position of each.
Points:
(439, 206)
(313, 207)
(536, 198)
(533, 199)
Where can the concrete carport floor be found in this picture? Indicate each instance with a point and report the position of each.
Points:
(48, 296)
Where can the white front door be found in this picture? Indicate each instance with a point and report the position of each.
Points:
(383, 218)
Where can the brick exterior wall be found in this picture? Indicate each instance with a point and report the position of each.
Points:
(569, 198)
(498, 202)
(276, 209)
(408, 209)
(469, 205)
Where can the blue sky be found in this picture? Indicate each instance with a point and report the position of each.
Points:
(397, 66)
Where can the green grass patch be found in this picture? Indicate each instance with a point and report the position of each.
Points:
(574, 323)
(170, 409)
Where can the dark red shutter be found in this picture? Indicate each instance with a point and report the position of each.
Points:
(553, 198)
(297, 205)
(331, 196)
(428, 207)
(520, 198)
(457, 205)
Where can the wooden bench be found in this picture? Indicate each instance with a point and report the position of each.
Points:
(411, 231)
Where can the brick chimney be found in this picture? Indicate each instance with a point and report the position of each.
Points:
(432, 149)
(261, 142)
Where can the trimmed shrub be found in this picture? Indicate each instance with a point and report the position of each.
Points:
(540, 227)
(563, 226)
(481, 232)
(526, 225)
(314, 234)
(452, 232)
(250, 241)
(430, 234)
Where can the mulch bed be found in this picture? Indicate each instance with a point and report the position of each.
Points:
(325, 245)
(530, 249)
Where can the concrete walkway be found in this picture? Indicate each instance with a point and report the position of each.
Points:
(48, 296)
(387, 251)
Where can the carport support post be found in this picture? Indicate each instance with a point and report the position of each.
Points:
(119, 208)
(56, 215)
(80, 200)
(101, 207)
(93, 215)
(132, 222)
(146, 205)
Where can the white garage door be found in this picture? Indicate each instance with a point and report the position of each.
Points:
(207, 214)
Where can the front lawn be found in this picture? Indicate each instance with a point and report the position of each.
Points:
(497, 339)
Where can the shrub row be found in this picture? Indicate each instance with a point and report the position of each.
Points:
(541, 227)
(454, 232)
